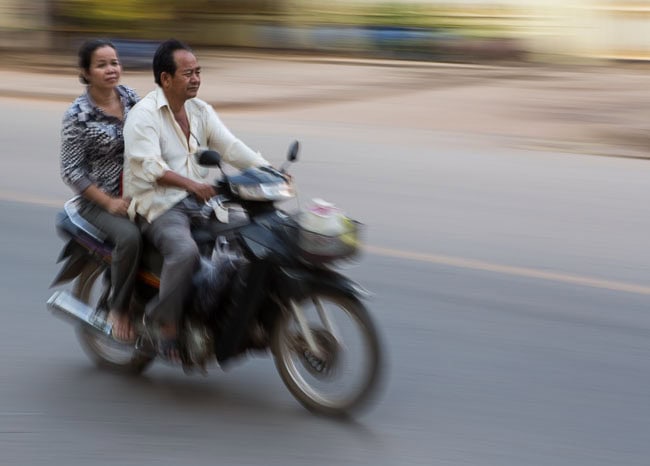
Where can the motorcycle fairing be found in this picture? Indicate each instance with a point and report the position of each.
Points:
(76, 257)
(80, 248)
(266, 238)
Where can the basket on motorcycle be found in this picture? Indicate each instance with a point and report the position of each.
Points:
(320, 247)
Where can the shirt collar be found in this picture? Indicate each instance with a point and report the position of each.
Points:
(124, 95)
(88, 105)
(161, 99)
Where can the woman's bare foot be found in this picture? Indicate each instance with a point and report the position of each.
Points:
(122, 329)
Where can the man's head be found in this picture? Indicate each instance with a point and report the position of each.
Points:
(176, 70)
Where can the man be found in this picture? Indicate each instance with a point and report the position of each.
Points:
(161, 175)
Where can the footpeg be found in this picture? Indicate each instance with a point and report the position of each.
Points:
(62, 304)
(144, 345)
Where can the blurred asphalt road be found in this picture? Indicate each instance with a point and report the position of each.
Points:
(600, 110)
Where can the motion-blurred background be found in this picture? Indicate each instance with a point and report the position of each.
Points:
(463, 30)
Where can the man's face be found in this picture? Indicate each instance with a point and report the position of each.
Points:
(185, 82)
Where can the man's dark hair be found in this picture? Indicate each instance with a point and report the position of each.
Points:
(85, 54)
(163, 59)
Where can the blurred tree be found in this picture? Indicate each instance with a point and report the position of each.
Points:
(230, 7)
(151, 19)
(135, 18)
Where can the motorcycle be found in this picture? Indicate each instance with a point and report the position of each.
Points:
(267, 283)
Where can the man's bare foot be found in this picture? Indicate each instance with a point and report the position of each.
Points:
(168, 344)
(122, 329)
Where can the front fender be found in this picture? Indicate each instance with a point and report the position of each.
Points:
(300, 282)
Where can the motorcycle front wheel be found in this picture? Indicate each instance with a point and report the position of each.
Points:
(342, 376)
(92, 288)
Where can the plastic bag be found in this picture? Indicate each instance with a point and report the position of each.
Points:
(211, 283)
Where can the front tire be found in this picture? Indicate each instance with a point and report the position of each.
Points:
(92, 288)
(317, 382)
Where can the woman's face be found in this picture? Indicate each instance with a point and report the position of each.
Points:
(105, 68)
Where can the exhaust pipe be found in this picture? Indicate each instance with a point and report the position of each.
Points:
(62, 304)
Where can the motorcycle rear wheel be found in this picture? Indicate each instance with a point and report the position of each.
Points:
(91, 288)
(312, 380)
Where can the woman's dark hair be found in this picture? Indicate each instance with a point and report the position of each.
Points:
(86, 54)
(163, 59)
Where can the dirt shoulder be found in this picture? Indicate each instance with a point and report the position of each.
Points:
(577, 109)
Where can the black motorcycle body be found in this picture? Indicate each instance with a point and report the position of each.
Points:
(258, 282)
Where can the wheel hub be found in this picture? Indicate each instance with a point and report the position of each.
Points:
(325, 364)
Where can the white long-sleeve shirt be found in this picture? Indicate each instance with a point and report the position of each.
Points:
(154, 143)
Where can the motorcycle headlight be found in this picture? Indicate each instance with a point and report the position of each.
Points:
(264, 191)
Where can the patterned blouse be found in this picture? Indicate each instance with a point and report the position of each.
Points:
(92, 145)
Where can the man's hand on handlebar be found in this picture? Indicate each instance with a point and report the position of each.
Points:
(202, 191)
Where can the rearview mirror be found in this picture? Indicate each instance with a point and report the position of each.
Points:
(294, 148)
(209, 158)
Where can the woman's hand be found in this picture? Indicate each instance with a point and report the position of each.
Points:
(118, 206)
(112, 205)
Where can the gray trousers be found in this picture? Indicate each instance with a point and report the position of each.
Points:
(125, 235)
(170, 234)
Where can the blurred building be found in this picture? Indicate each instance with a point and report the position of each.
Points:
(24, 24)
(610, 29)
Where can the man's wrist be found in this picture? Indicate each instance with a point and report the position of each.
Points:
(191, 185)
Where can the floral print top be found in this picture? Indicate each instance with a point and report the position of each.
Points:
(92, 144)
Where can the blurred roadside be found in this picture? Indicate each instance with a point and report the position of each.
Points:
(602, 110)
(560, 76)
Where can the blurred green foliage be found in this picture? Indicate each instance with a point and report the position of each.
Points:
(132, 17)
(97, 11)
(149, 18)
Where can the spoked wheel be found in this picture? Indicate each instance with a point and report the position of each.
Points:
(92, 288)
(341, 376)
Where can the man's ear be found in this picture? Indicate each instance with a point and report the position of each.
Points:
(165, 78)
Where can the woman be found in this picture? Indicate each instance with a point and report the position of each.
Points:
(92, 156)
